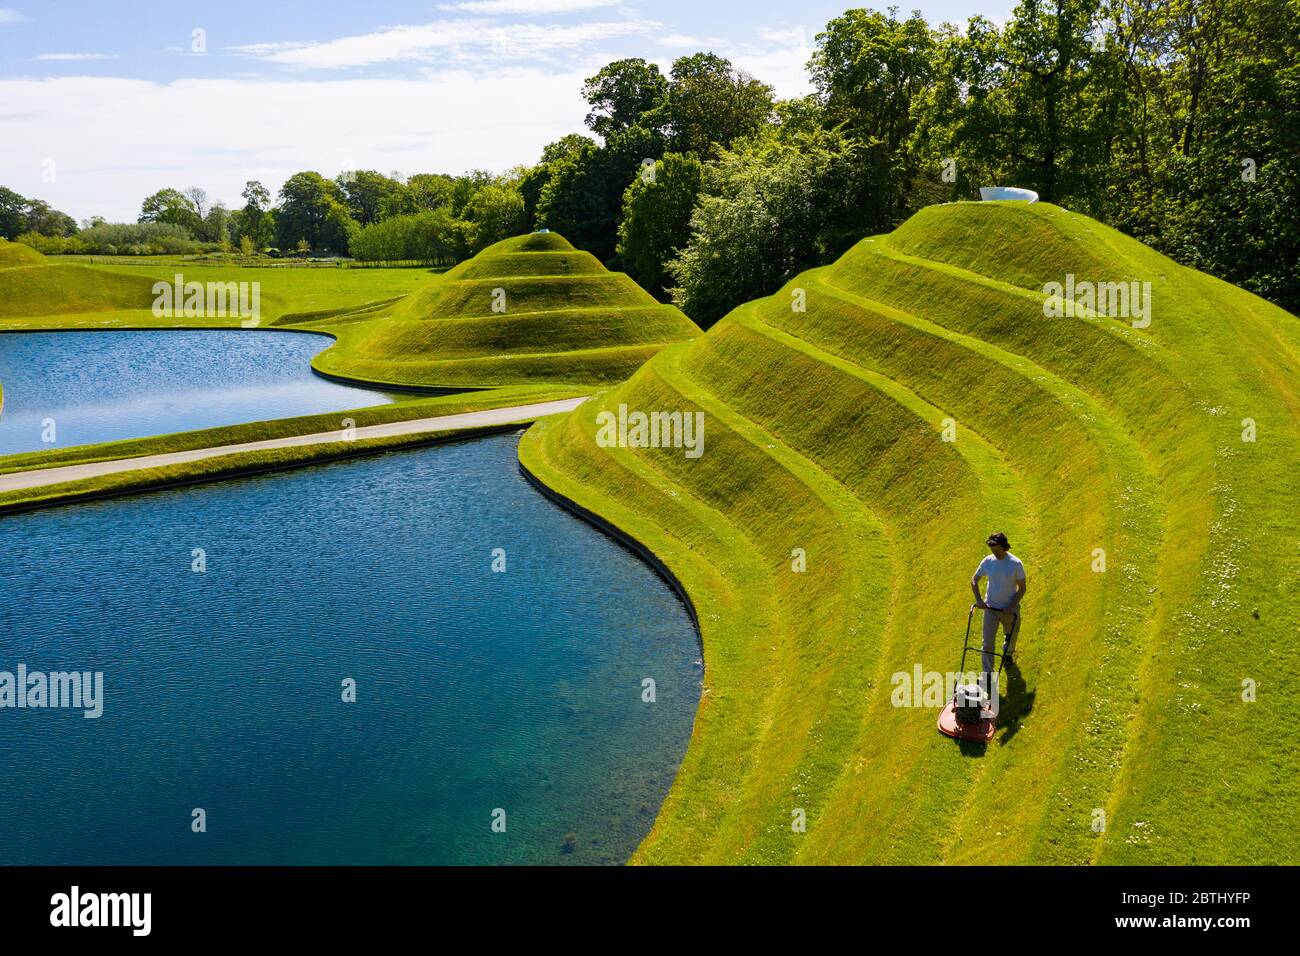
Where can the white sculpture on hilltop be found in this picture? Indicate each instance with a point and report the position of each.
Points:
(990, 193)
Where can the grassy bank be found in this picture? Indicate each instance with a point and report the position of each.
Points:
(1159, 543)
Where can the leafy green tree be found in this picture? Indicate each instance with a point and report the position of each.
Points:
(764, 215)
(312, 210)
(13, 213)
(622, 94)
(534, 179)
(495, 213)
(172, 207)
(427, 191)
(712, 105)
(868, 70)
(371, 196)
(430, 235)
(583, 198)
(255, 221)
(46, 221)
(656, 224)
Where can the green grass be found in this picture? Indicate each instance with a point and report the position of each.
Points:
(51, 294)
(529, 309)
(16, 254)
(824, 432)
(424, 407)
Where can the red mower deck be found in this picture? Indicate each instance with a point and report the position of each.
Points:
(980, 732)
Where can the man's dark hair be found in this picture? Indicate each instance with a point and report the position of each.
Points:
(999, 539)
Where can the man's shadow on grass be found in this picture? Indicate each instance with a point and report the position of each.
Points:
(1017, 703)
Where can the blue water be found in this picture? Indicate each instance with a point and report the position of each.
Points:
(476, 690)
(103, 386)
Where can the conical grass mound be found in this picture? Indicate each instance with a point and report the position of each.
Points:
(865, 428)
(527, 310)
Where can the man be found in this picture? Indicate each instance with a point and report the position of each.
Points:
(1001, 600)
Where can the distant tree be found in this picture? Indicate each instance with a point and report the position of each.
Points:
(583, 199)
(256, 221)
(198, 199)
(622, 94)
(13, 213)
(711, 105)
(425, 191)
(172, 207)
(312, 211)
(46, 221)
(495, 213)
(430, 235)
(216, 224)
(534, 179)
(657, 219)
(370, 196)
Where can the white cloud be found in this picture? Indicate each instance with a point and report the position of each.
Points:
(72, 57)
(111, 142)
(778, 58)
(9, 15)
(467, 42)
(525, 7)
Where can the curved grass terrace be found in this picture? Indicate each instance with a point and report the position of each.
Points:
(1073, 434)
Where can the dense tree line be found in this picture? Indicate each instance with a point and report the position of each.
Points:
(1177, 121)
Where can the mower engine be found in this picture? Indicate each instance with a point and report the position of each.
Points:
(969, 702)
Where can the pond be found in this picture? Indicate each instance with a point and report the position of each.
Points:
(78, 388)
(231, 620)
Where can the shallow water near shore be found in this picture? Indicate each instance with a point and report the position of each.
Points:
(476, 692)
(79, 388)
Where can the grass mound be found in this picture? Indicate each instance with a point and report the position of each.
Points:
(531, 309)
(16, 254)
(46, 290)
(1145, 474)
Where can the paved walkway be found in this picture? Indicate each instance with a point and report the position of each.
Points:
(40, 477)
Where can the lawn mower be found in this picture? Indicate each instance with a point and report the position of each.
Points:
(969, 716)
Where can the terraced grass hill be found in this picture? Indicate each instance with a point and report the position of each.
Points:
(16, 254)
(1146, 476)
(529, 309)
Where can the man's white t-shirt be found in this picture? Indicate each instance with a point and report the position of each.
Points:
(1003, 575)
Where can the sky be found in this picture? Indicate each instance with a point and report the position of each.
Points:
(103, 103)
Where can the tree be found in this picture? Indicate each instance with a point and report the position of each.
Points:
(534, 179)
(171, 207)
(657, 219)
(711, 105)
(430, 235)
(46, 221)
(622, 94)
(868, 70)
(255, 221)
(312, 211)
(13, 213)
(495, 213)
(371, 196)
(198, 199)
(583, 198)
(764, 215)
